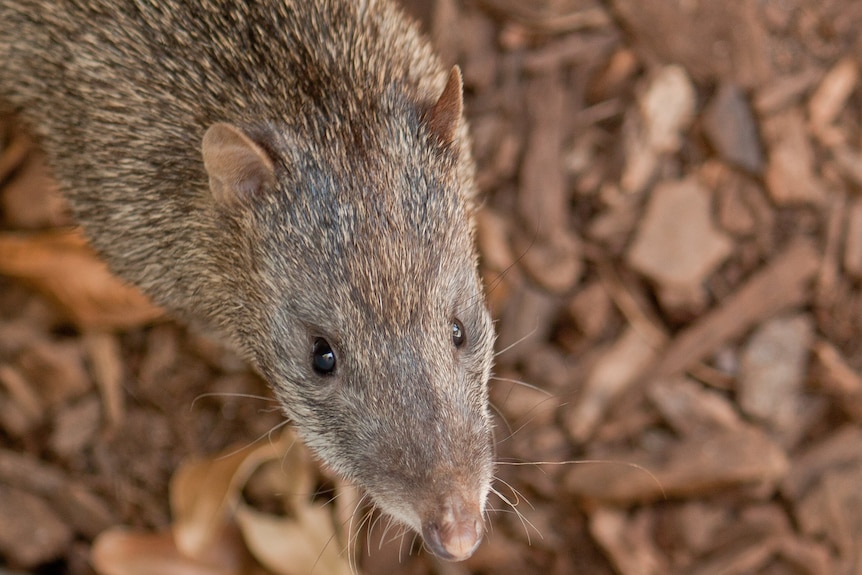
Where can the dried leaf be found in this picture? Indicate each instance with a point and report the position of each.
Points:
(214, 531)
(62, 265)
(302, 544)
(206, 499)
(205, 493)
(121, 552)
(306, 541)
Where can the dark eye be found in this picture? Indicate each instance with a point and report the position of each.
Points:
(459, 336)
(322, 357)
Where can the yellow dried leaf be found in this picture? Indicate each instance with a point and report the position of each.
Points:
(204, 494)
(62, 266)
(216, 533)
(299, 545)
(121, 552)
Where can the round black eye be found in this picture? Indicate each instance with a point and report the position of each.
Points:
(322, 357)
(458, 334)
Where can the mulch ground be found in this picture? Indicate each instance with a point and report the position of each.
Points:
(671, 237)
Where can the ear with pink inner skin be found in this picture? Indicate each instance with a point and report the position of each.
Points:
(238, 168)
(444, 117)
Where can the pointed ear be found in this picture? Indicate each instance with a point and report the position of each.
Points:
(445, 116)
(238, 168)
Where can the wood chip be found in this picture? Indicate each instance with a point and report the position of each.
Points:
(835, 376)
(829, 276)
(578, 47)
(665, 110)
(106, 358)
(773, 369)
(591, 309)
(831, 96)
(552, 16)
(76, 427)
(806, 556)
(785, 90)
(782, 284)
(830, 509)
(525, 322)
(55, 371)
(790, 177)
(690, 409)
(841, 377)
(699, 523)
(79, 507)
(730, 125)
(735, 213)
(618, 368)
(742, 558)
(688, 468)
(853, 240)
(552, 252)
(734, 27)
(22, 394)
(542, 201)
(30, 532)
(677, 244)
(840, 449)
(627, 542)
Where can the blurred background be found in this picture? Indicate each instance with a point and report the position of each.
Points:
(671, 240)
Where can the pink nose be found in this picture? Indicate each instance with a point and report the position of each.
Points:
(456, 535)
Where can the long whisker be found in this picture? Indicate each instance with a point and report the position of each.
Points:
(335, 533)
(488, 522)
(366, 518)
(268, 433)
(499, 279)
(518, 341)
(523, 384)
(502, 510)
(402, 530)
(515, 432)
(370, 531)
(231, 395)
(351, 560)
(518, 495)
(521, 517)
(401, 547)
(331, 499)
(502, 417)
(413, 544)
(389, 524)
(590, 461)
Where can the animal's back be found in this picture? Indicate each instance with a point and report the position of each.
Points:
(120, 93)
(295, 174)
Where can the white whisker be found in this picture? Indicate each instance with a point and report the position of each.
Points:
(517, 342)
(523, 384)
(232, 395)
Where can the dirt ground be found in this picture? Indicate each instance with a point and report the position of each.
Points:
(671, 238)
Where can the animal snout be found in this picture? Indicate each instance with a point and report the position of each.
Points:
(456, 534)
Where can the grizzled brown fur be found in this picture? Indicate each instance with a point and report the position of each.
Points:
(331, 198)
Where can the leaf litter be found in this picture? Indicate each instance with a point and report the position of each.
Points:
(215, 532)
(725, 360)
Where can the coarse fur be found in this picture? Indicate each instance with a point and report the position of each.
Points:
(363, 238)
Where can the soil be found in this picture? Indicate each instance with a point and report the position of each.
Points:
(671, 239)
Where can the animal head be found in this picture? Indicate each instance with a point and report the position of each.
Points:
(359, 250)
